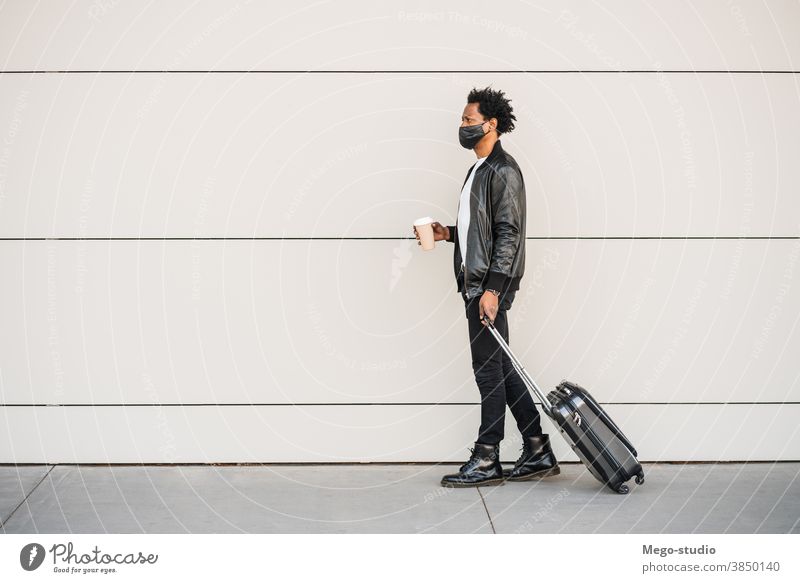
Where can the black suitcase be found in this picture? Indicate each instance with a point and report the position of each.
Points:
(588, 429)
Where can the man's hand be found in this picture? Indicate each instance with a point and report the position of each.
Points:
(440, 233)
(488, 306)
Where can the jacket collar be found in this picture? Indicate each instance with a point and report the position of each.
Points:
(497, 152)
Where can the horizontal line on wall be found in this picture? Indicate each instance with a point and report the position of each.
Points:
(363, 404)
(577, 237)
(413, 71)
(360, 464)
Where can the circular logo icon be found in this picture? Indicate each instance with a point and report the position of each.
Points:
(31, 556)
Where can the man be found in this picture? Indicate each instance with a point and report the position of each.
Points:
(489, 262)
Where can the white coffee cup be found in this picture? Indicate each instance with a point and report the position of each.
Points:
(424, 227)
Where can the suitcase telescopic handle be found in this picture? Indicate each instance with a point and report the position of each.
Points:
(526, 378)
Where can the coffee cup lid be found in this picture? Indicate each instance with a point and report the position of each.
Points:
(423, 221)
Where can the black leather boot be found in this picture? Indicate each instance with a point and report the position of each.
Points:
(537, 460)
(481, 469)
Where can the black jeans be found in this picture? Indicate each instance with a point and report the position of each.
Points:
(497, 380)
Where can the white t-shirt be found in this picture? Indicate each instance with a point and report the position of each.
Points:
(463, 211)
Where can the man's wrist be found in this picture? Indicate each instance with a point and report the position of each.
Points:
(497, 280)
(493, 291)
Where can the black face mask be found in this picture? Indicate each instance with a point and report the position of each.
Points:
(469, 136)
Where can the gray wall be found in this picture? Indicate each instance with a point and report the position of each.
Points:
(234, 242)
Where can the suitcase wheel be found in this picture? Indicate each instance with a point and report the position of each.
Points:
(640, 478)
(623, 489)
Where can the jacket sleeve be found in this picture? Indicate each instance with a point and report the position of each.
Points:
(452, 238)
(506, 197)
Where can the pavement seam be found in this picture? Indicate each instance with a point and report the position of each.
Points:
(4, 522)
(486, 508)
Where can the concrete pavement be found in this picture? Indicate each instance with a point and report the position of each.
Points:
(392, 498)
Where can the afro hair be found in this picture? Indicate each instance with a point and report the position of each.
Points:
(491, 104)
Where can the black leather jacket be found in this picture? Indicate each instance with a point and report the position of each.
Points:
(496, 236)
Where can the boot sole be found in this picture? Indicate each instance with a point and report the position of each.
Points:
(492, 482)
(536, 475)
